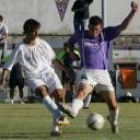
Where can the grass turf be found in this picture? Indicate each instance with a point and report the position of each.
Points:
(33, 122)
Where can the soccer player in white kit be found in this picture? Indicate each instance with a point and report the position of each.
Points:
(36, 56)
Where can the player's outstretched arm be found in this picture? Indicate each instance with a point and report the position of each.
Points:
(3, 79)
(59, 65)
(127, 20)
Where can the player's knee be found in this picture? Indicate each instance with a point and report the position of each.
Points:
(58, 95)
(42, 91)
(83, 91)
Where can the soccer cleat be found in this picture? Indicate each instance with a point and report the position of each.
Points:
(63, 121)
(65, 109)
(56, 133)
(114, 127)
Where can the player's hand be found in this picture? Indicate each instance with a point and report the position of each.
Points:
(134, 6)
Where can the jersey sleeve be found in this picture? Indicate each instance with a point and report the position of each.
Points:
(13, 59)
(111, 33)
(50, 52)
(74, 39)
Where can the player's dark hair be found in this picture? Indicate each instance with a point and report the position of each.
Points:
(95, 20)
(1, 18)
(30, 25)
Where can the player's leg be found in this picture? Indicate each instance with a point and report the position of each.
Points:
(41, 88)
(56, 91)
(106, 89)
(77, 103)
(110, 99)
(58, 118)
(87, 101)
(49, 103)
(58, 95)
(84, 86)
(55, 88)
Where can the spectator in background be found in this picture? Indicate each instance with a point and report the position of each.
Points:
(66, 61)
(16, 79)
(81, 14)
(3, 36)
(69, 63)
(128, 97)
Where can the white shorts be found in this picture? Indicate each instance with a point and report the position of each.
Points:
(50, 80)
(99, 79)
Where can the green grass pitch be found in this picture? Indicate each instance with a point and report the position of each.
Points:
(33, 122)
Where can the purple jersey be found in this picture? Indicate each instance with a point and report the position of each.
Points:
(94, 51)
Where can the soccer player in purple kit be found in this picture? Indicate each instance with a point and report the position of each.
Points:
(94, 47)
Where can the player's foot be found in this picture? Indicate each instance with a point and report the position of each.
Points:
(65, 109)
(114, 127)
(63, 121)
(56, 133)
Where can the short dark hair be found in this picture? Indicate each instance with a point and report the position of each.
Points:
(1, 18)
(95, 20)
(30, 25)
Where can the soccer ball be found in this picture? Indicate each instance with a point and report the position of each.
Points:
(95, 121)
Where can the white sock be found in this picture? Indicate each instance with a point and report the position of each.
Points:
(114, 115)
(55, 127)
(52, 107)
(87, 100)
(77, 104)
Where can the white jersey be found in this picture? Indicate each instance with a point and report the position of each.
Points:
(35, 59)
(3, 31)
